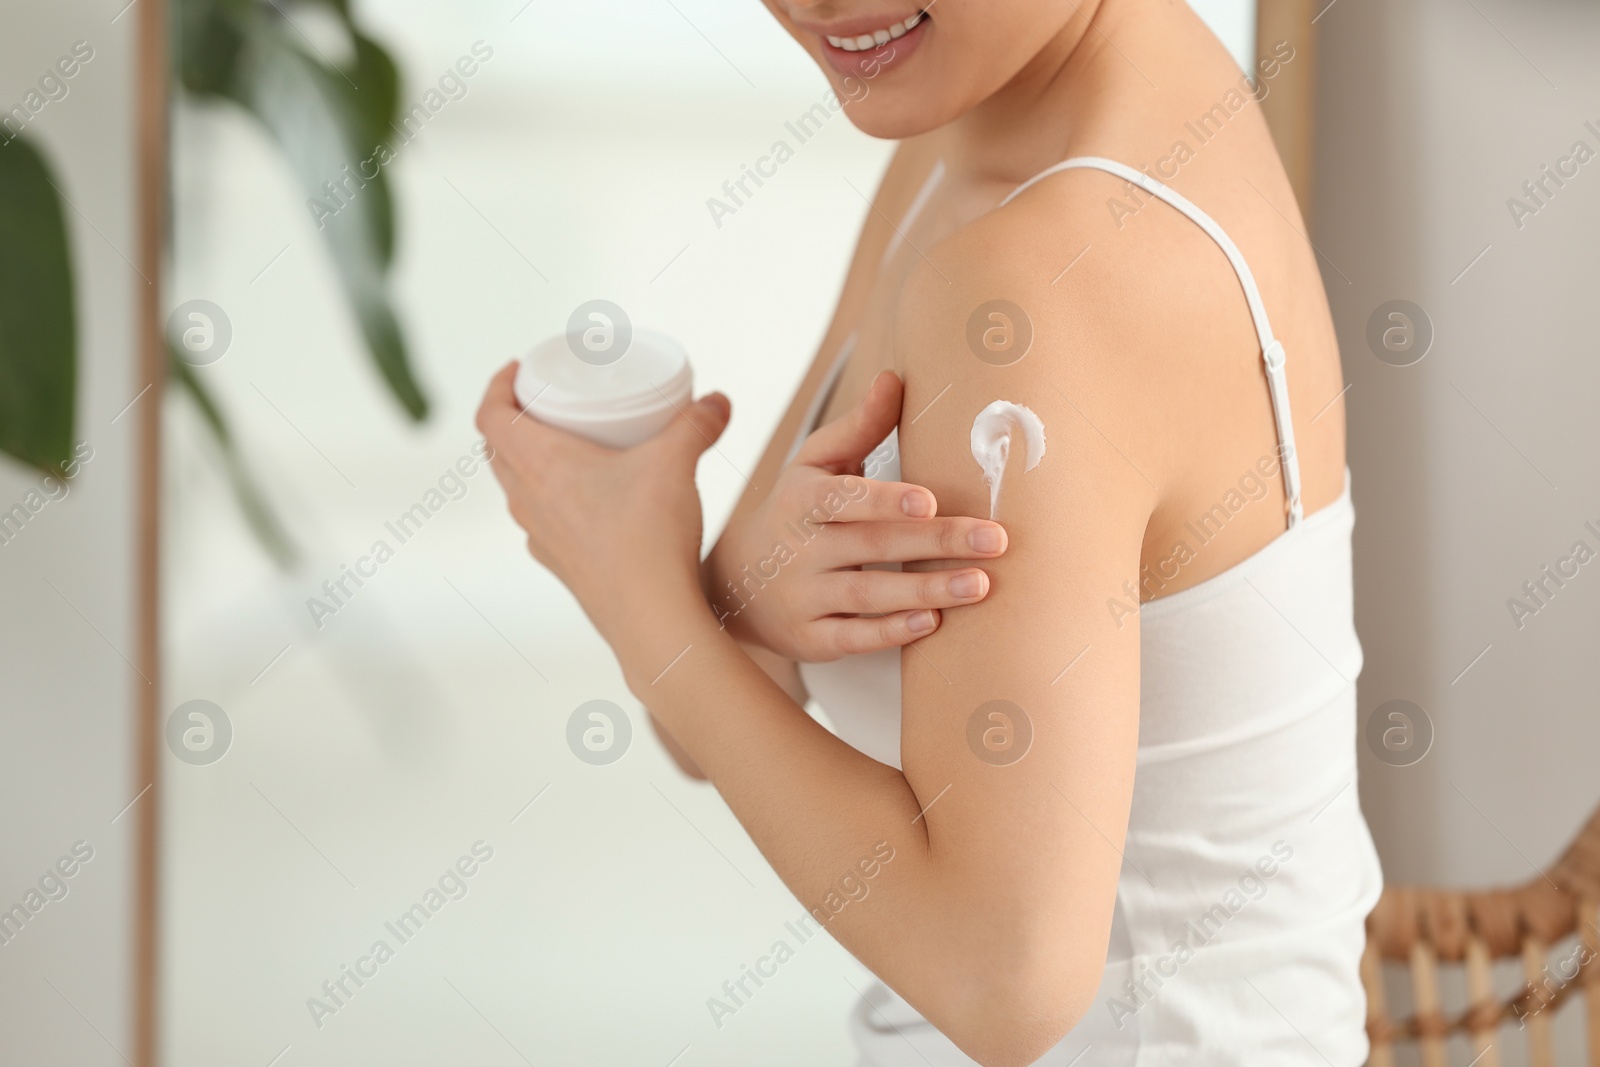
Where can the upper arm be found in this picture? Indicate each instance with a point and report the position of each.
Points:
(1034, 831)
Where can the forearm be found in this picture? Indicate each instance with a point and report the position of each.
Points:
(813, 805)
(784, 775)
(785, 672)
(782, 670)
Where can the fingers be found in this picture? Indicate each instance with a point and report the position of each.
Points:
(844, 442)
(854, 544)
(849, 498)
(890, 592)
(852, 637)
(514, 439)
(697, 426)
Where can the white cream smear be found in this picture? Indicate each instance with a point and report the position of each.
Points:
(993, 432)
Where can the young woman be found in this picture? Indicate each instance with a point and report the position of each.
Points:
(1107, 739)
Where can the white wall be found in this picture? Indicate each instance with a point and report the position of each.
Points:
(1471, 467)
(66, 583)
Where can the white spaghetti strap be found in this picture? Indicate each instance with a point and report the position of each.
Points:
(1272, 354)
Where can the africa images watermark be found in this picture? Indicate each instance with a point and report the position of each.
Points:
(1253, 486)
(52, 88)
(1539, 591)
(852, 888)
(807, 125)
(452, 485)
(1203, 129)
(1197, 934)
(53, 886)
(806, 528)
(451, 885)
(1551, 984)
(1542, 189)
(51, 489)
(340, 192)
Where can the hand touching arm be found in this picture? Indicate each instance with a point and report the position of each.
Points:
(785, 600)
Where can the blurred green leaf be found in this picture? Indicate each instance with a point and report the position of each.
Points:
(308, 110)
(377, 105)
(210, 34)
(330, 123)
(258, 514)
(38, 326)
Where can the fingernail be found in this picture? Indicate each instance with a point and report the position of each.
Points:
(920, 622)
(917, 505)
(967, 585)
(986, 539)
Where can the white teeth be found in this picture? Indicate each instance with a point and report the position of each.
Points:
(878, 38)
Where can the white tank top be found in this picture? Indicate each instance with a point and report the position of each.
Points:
(1248, 869)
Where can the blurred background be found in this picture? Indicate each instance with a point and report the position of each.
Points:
(362, 752)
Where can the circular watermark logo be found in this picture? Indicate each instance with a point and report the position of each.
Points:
(1399, 733)
(999, 332)
(599, 332)
(199, 732)
(1399, 333)
(599, 732)
(199, 332)
(999, 733)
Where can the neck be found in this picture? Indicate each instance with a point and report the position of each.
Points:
(1025, 125)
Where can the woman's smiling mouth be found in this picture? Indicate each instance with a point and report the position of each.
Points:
(877, 38)
(867, 47)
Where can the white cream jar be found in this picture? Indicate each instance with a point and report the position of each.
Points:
(617, 404)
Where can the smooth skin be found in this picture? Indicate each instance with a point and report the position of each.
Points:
(994, 917)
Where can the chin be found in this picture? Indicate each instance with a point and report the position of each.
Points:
(897, 116)
(892, 88)
(901, 69)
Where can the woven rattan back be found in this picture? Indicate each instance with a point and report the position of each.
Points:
(1425, 930)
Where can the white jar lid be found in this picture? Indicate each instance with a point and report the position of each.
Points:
(653, 373)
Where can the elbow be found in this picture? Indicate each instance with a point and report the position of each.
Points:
(1016, 1020)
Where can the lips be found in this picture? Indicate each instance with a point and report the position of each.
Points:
(864, 50)
(877, 38)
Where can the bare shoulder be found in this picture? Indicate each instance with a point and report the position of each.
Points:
(1062, 298)
(1087, 294)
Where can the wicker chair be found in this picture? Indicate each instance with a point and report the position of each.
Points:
(1421, 928)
